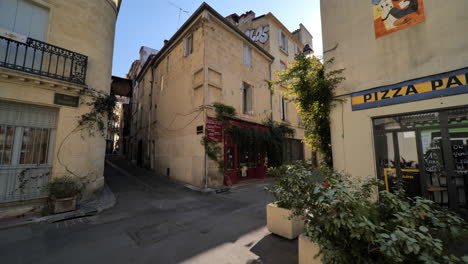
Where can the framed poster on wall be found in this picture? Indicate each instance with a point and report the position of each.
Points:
(394, 15)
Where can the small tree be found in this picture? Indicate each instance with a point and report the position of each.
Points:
(311, 86)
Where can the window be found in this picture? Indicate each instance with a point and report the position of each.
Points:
(283, 108)
(168, 65)
(293, 149)
(283, 41)
(247, 99)
(34, 147)
(300, 122)
(282, 66)
(25, 18)
(7, 134)
(296, 49)
(247, 55)
(188, 45)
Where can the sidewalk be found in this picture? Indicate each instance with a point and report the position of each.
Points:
(105, 200)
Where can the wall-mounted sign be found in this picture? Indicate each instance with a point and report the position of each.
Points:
(393, 15)
(214, 129)
(440, 85)
(122, 99)
(260, 34)
(66, 100)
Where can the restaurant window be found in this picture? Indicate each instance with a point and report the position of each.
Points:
(427, 153)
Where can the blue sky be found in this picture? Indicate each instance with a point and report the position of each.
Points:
(150, 22)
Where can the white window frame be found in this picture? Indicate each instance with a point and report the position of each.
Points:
(188, 45)
(296, 49)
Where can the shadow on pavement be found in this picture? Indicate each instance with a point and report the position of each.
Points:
(273, 249)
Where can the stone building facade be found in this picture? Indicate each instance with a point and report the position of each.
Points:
(405, 95)
(50, 51)
(208, 60)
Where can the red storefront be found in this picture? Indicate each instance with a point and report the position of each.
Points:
(243, 162)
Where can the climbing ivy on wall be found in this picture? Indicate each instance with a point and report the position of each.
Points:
(311, 85)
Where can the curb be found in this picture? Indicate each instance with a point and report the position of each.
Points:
(85, 210)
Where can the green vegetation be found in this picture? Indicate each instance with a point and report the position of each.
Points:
(311, 86)
(64, 187)
(354, 223)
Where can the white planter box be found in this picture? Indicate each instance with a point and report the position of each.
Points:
(308, 250)
(278, 222)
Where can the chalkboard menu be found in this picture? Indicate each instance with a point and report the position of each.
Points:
(433, 158)
(460, 158)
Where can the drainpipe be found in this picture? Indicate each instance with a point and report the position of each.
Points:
(150, 121)
(205, 95)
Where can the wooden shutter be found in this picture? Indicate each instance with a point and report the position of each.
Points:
(280, 38)
(7, 14)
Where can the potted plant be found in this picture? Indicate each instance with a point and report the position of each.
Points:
(284, 217)
(63, 193)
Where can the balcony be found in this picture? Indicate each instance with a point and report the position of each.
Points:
(43, 59)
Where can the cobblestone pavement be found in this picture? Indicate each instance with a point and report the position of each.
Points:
(156, 221)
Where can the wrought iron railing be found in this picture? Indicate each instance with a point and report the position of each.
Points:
(40, 58)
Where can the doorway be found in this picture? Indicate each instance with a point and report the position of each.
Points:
(427, 153)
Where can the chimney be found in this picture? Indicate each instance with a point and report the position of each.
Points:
(165, 42)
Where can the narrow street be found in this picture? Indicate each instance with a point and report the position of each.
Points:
(156, 221)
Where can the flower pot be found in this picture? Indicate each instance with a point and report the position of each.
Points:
(63, 204)
(279, 222)
(308, 250)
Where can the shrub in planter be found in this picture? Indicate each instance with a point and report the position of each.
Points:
(63, 192)
(284, 217)
(350, 226)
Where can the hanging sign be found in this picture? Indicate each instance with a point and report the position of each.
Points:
(440, 85)
(214, 129)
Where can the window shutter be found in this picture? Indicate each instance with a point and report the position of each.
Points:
(286, 44)
(7, 17)
(250, 99)
(281, 108)
(280, 38)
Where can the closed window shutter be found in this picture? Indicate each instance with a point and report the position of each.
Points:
(250, 99)
(280, 38)
(8, 13)
(286, 44)
(281, 108)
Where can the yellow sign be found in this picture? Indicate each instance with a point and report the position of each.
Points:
(388, 172)
(421, 89)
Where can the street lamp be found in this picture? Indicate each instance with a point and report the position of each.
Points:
(308, 51)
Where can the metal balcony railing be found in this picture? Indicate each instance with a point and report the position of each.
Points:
(40, 58)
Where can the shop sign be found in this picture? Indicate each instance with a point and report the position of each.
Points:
(440, 85)
(66, 100)
(214, 129)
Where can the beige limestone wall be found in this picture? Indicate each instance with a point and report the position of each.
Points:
(431, 47)
(86, 27)
(434, 46)
(178, 98)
